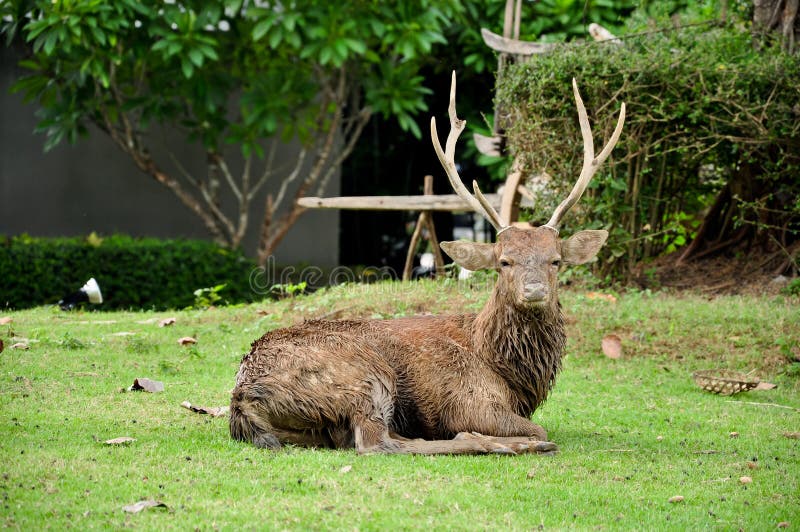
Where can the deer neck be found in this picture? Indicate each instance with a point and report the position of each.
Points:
(525, 347)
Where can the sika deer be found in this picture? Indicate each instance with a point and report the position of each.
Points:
(464, 384)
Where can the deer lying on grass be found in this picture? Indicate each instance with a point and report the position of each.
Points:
(463, 384)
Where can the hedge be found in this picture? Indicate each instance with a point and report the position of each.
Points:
(132, 273)
(707, 112)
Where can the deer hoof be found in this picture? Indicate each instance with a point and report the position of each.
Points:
(266, 441)
(545, 447)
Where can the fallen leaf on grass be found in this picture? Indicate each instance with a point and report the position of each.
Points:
(166, 322)
(137, 507)
(745, 480)
(5, 320)
(213, 411)
(676, 498)
(792, 435)
(783, 524)
(346, 469)
(599, 295)
(20, 345)
(146, 385)
(612, 346)
(187, 340)
(122, 440)
(765, 386)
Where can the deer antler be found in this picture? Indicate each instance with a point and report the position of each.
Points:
(590, 162)
(478, 202)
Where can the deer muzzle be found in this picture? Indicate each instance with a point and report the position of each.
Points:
(534, 292)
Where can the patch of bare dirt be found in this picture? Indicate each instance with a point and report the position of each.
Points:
(720, 275)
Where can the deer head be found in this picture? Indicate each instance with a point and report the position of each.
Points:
(528, 260)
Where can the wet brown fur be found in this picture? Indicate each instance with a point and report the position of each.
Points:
(378, 384)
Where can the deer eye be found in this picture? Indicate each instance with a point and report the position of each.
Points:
(556, 263)
(505, 263)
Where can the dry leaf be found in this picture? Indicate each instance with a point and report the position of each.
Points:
(5, 320)
(734, 434)
(141, 505)
(213, 411)
(531, 473)
(752, 465)
(346, 469)
(792, 435)
(599, 295)
(166, 322)
(123, 440)
(187, 340)
(783, 524)
(612, 346)
(262, 312)
(745, 480)
(20, 345)
(146, 385)
(676, 498)
(765, 386)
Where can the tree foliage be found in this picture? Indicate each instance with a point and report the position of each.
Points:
(227, 73)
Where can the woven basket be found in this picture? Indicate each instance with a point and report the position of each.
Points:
(724, 381)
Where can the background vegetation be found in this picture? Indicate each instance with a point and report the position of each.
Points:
(633, 432)
(710, 150)
(132, 273)
(228, 76)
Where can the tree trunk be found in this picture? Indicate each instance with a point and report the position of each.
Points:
(778, 16)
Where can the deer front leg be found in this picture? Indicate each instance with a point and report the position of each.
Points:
(497, 423)
(372, 437)
(518, 444)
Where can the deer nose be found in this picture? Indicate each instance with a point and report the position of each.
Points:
(535, 291)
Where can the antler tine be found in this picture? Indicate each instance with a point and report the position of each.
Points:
(590, 162)
(479, 203)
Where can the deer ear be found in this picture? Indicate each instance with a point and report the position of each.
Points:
(583, 246)
(471, 255)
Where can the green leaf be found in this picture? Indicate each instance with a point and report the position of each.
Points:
(196, 57)
(187, 68)
(208, 51)
(325, 55)
(50, 42)
(358, 47)
(275, 38)
(261, 29)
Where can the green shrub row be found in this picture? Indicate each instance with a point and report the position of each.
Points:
(132, 273)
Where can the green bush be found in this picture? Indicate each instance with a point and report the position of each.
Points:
(711, 119)
(132, 273)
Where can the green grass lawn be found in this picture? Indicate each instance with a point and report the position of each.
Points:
(633, 432)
